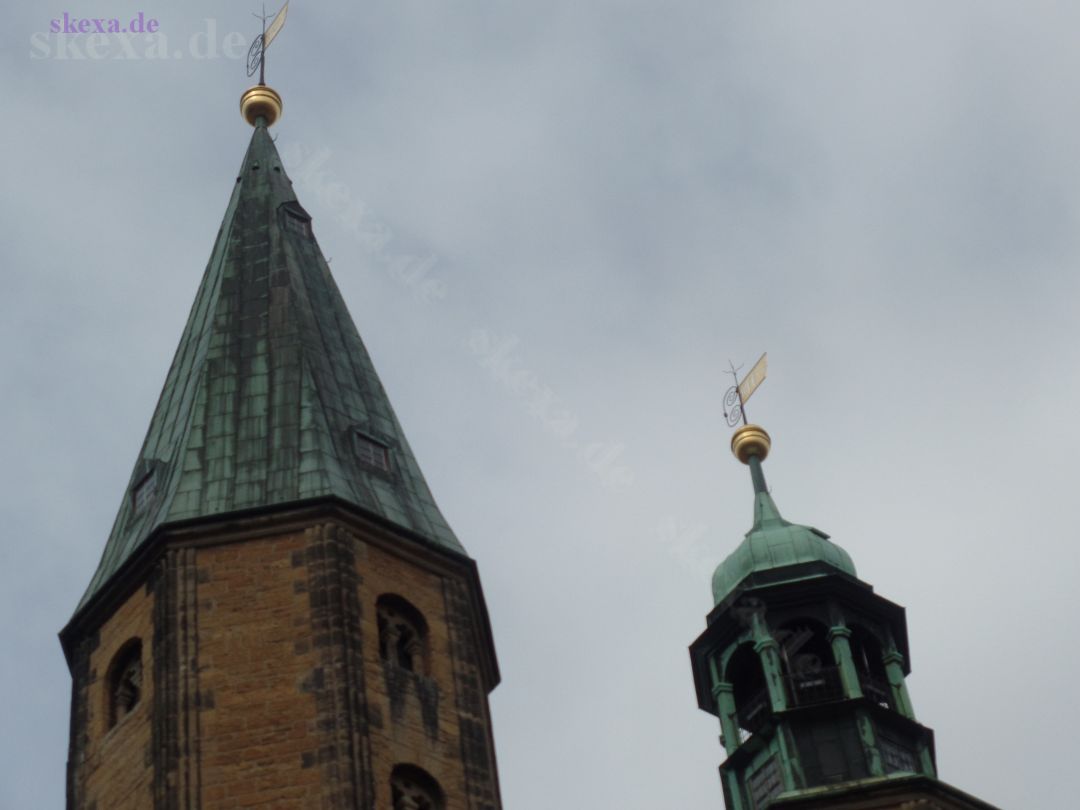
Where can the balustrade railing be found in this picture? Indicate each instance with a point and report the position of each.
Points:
(815, 686)
(875, 689)
(807, 688)
(753, 714)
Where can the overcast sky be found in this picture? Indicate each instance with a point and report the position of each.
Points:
(554, 223)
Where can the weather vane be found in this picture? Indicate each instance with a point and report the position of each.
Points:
(736, 396)
(257, 52)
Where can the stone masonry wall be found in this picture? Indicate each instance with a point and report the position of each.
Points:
(112, 765)
(264, 687)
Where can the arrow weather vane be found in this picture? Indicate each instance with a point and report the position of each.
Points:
(736, 396)
(257, 51)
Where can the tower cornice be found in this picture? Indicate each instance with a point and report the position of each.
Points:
(241, 526)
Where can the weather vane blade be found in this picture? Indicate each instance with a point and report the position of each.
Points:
(754, 378)
(275, 26)
(736, 396)
(257, 51)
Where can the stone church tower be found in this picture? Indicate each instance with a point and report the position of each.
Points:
(805, 667)
(282, 617)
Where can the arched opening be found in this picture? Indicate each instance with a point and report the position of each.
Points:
(403, 634)
(124, 682)
(747, 677)
(810, 670)
(869, 660)
(413, 788)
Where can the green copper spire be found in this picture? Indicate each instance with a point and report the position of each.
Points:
(772, 542)
(271, 398)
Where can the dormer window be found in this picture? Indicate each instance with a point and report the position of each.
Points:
(144, 491)
(297, 224)
(296, 219)
(371, 453)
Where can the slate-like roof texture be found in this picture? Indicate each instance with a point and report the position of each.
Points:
(269, 388)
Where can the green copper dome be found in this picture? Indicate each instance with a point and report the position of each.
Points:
(775, 543)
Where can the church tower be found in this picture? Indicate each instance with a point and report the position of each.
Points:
(805, 667)
(282, 617)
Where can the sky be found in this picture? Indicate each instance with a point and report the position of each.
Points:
(555, 225)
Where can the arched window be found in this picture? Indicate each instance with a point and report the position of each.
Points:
(870, 664)
(125, 681)
(403, 635)
(804, 646)
(747, 677)
(413, 788)
(811, 672)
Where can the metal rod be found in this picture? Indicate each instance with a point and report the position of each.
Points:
(262, 50)
(757, 475)
(738, 393)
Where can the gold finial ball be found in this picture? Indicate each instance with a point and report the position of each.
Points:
(750, 440)
(258, 102)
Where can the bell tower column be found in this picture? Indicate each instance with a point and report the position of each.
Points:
(894, 668)
(839, 639)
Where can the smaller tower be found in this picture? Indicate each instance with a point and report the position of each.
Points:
(805, 667)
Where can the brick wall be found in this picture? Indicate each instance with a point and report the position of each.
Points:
(264, 685)
(114, 761)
